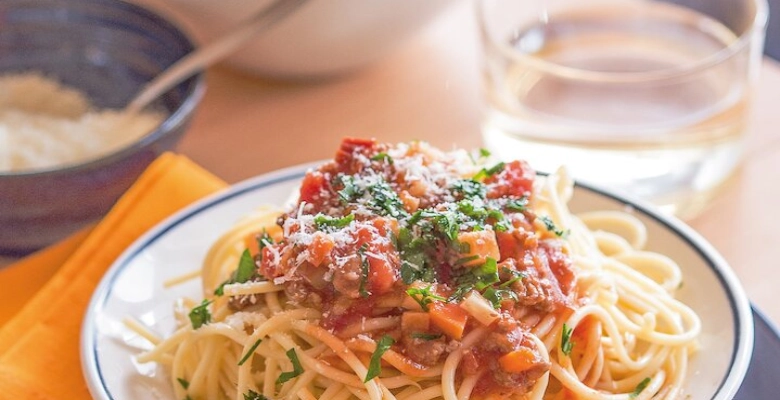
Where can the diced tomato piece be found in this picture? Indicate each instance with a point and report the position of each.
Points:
(269, 264)
(320, 248)
(381, 275)
(349, 146)
(312, 186)
(507, 245)
(515, 180)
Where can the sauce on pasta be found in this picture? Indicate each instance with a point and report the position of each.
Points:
(381, 225)
(406, 272)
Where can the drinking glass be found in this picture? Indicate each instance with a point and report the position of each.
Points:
(647, 97)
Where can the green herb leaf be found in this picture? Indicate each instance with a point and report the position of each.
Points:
(566, 344)
(363, 271)
(502, 226)
(550, 225)
(385, 201)
(220, 290)
(184, 383)
(351, 191)
(200, 315)
(517, 276)
(383, 157)
(487, 274)
(469, 189)
(375, 365)
(466, 260)
(250, 352)
(252, 395)
(518, 205)
(484, 153)
(426, 336)
(246, 267)
(639, 388)
(424, 296)
(484, 173)
(476, 278)
(297, 368)
(496, 296)
(324, 221)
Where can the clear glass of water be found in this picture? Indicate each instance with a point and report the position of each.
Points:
(648, 97)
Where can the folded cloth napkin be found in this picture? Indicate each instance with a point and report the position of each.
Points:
(39, 345)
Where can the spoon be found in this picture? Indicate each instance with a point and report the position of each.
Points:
(211, 52)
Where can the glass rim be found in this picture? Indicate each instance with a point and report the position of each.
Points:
(758, 24)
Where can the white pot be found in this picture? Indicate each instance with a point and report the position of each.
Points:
(322, 38)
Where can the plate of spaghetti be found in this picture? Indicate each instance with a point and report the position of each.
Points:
(400, 271)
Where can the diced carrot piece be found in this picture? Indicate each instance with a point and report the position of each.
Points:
(481, 245)
(448, 317)
(251, 244)
(517, 361)
(415, 321)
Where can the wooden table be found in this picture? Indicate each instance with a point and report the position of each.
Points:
(429, 89)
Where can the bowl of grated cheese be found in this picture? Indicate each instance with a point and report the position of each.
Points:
(67, 149)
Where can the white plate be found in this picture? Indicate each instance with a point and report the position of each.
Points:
(133, 287)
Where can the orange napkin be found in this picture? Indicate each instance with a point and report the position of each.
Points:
(39, 345)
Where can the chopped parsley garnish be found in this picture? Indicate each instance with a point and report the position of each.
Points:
(200, 315)
(476, 278)
(424, 296)
(496, 296)
(414, 260)
(250, 352)
(518, 205)
(469, 188)
(351, 191)
(375, 365)
(639, 388)
(566, 344)
(252, 395)
(550, 225)
(297, 368)
(486, 172)
(383, 157)
(502, 226)
(445, 222)
(426, 336)
(484, 153)
(324, 221)
(363, 271)
(466, 260)
(517, 277)
(247, 269)
(385, 201)
(184, 383)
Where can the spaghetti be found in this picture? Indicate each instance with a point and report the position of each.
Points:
(409, 273)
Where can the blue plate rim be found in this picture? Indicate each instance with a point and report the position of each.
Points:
(743, 310)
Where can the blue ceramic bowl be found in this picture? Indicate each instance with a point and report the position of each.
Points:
(108, 49)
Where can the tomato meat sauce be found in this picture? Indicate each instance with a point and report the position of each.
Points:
(444, 243)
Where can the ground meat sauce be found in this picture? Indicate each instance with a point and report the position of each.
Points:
(409, 231)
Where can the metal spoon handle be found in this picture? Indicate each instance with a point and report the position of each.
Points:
(212, 52)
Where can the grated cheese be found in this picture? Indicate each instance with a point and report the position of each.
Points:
(44, 124)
